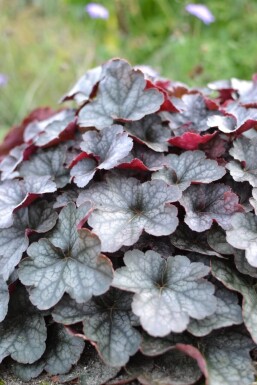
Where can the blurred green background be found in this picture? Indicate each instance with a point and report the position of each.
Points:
(46, 45)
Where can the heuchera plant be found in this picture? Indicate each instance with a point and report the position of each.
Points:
(128, 233)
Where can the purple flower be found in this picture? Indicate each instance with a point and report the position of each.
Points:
(97, 11)
(201, 11)
(3, 80)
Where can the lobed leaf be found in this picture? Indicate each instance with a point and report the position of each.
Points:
(235, 118)
(193, 116)
(223, 356)
(15, 194)
(107, 321)
(108, 148)
(23, 331)
(63, 350)
(150, 131)
(167, 291)
(186, 239)
(216, 238)
(84, 87)
(171, 368)
(121, 95)
(189, 167)
(228, 312)
(206, 203)
(143, 159)
(69, 262)
(50, 131)
(47, 163)
(242, 265)
(39, 217)
(125, 207)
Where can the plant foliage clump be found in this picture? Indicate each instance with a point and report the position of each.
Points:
(128, 233)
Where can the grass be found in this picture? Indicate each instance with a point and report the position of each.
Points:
(47, 44)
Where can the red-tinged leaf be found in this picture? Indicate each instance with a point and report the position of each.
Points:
(15, 194)
(10, 162)
(37, 218)
(85, 87)
(167, 105)
(15, 136)
(134, 164)
(142, 158)
(190, 140)
(57, 128)
(235, 119)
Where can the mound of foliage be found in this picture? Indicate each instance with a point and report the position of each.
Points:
(128, 233)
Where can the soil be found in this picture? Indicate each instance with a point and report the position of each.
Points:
(6, 378)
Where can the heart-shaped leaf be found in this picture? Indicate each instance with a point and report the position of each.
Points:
(107, 321)
(189, 167)
(167, 291)
(206, 203)
(70, 262)
(124, 207)
(121, 95)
